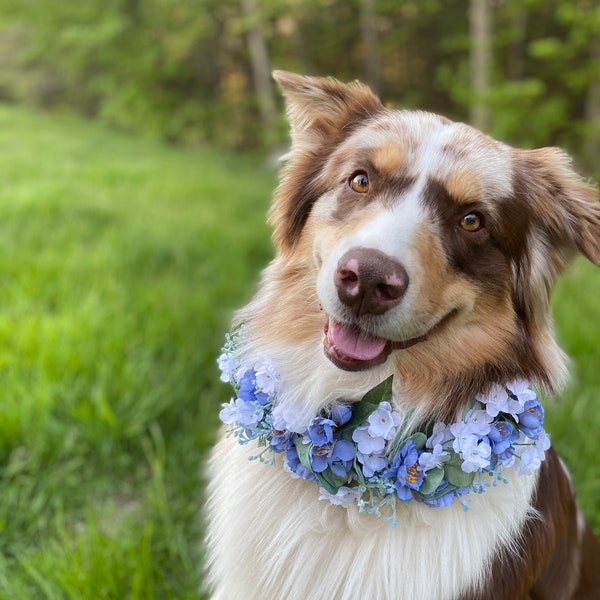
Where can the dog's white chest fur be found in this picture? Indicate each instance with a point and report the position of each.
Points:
(271, 537)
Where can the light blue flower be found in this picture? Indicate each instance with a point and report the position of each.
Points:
(228, 413)
(366, 443)
(248, 414)
(320, 431)
(372, 463)
(440, 435)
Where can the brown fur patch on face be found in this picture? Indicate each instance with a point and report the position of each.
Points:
(464, 186)
(389, 158)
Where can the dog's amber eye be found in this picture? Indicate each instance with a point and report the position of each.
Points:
(359, 182)
(472, 222)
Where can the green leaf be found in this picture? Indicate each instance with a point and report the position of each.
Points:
(369, 404)
(454, 473)
(330, 481)
(303, 453)
(432, 480)
(418, 439)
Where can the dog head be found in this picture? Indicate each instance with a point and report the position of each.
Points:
(429, 246)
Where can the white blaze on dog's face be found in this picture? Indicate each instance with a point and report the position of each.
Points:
(423, 236)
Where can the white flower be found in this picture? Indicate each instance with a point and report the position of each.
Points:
(383, 422)
(478, 421)
(266, 376)
(371, 463)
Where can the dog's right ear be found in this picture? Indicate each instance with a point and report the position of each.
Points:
(321, 112)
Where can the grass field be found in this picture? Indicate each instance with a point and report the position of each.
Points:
(120, 263)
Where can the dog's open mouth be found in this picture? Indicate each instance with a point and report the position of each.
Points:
(353, 349)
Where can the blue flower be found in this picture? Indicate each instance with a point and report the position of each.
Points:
(282, 440)
(341, 414)
(320, 431)
(405, 472)
(531, 420)
(337, 455)
(293, 465)
(501, 436)
(248, 390)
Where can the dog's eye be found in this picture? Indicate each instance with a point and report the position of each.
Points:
(359, 182)
(472, 222)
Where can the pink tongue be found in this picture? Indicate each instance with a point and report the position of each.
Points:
(354, 343)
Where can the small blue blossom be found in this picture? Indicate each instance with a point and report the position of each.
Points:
(341, 414)
(337, 455)
(294, 467)
(248, 390)
(248, 414)
(405, 472)
(320, 431)
(502, 434)
(282, 440)
(531, 420)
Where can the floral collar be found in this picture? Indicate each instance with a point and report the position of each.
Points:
(356, 452)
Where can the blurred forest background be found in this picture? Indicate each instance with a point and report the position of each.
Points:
(197, 71)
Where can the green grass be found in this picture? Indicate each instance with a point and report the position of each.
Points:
(120, 263)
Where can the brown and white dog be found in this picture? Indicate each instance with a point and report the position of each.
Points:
(408, 245)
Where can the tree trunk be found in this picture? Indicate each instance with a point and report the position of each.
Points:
(480, 19)
(591, 145)
(261, 70)
(369, 35)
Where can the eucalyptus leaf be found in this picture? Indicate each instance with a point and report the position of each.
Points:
(432, 480)
(303, 451)
(330, 481)
(454, 474)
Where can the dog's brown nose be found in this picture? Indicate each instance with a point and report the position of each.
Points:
(369, 281)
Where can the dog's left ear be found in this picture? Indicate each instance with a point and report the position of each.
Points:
(321, 112)
(566, 220)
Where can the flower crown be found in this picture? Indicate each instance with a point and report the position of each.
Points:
(356, 452)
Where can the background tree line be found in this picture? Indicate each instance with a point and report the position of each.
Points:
(196, 71)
